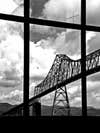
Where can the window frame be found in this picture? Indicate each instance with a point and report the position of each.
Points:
(26, 20)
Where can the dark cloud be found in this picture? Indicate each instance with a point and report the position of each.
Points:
(37, 7)
(11, 75)
(93, 17)
(63, 42)
(6, 90)
(43, 32)
(35, 37)
(10, 79)
(9, 83)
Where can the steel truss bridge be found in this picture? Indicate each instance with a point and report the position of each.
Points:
(63, 71)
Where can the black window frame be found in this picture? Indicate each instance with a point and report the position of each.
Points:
(26, 20)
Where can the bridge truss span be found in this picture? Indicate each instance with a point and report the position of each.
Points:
(65, 70)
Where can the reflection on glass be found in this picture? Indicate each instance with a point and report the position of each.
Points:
(11, 64)
(93, 94)
(45, 43)
(14, 7)
(93, 12)
(58, 10)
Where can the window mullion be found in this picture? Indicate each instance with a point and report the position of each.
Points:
(26, 58)
(83, 57)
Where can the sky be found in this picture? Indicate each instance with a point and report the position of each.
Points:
(45, 43)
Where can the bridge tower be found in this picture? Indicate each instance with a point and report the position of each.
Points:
(61, 105)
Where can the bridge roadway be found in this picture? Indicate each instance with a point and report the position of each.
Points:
(63, 71)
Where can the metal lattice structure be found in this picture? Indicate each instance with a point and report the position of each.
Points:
(61, 102)
(63, 71)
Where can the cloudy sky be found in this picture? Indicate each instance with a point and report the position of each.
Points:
(45, 43)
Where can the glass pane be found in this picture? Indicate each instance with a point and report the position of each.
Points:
(74, 96)
(14, 7)
(45, 43)
(92, 41)
(58, 10)
(93, 61)
(11, 65)
(93, 12)
(93, 94)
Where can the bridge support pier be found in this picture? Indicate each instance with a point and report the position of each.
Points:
(36, 108)
(61, 105)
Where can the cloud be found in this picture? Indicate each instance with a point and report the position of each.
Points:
(11, 61)
(7, 6)
(19, 2)
(90, 35)
(94, 77)
(61, 9)
(93, 12)
(76, 102)
(65, 42)
(40, 60)
(12, 54)
(72, 90)
(40, 32)
(37, 4)
(68, 43)
(14, 97)
(93, 94)
(93, 42)
(10, 28)
(11, 49)
(19, 11)
(9, 83)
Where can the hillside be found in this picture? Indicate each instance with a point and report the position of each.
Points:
(75, 111)
(5, 107)
(46, 110)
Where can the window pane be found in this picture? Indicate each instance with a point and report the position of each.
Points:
(45, 43)
(11, 64)
(58, 10)
(14, 7)
(92, 41)
(74, 96)
(93, 12)
(93, 92)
